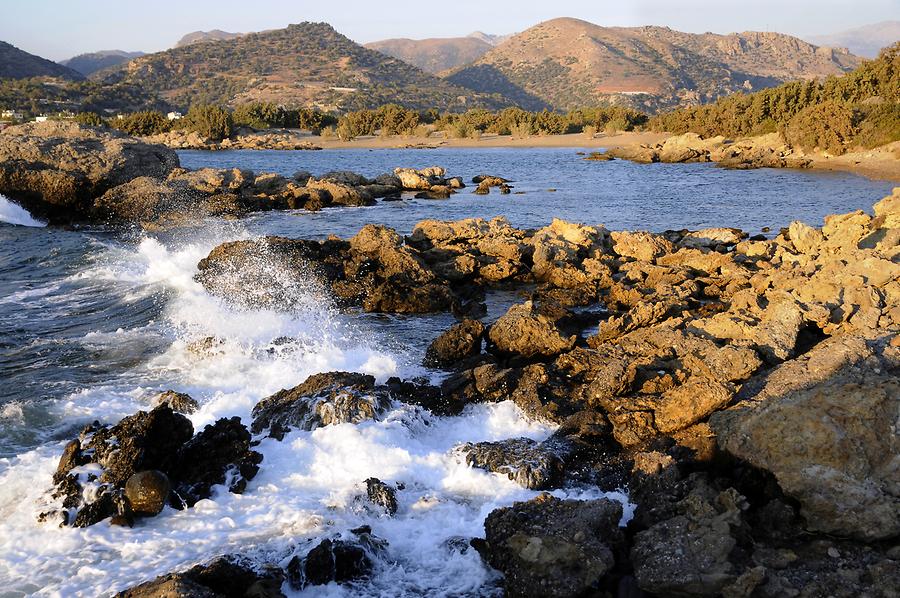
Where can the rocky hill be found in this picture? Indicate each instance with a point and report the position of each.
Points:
(18, 64)
(864, 41)
(434, 55)
(90, 63)
(216, 35)
(309, 64)
(566, 62)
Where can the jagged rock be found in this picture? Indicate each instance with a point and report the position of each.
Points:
(148, 492)
(225, 577)
(524, 331)
(641, 246)
(420, 180)
(340, 193)
(382, 495)
(461, 341)
(333, 561)
(533, 465)
(825, 426)
(551, 547)
(321, 400)
(55, 169)
(219, 453)
(178, 402)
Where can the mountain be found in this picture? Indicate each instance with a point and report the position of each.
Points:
(491, 39)
(18, 64)
(863, 41)
(216, 35)
(309, 64)
(436, 54)
(87, 64)
(566, 62)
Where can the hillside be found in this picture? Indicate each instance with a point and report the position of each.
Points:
(864, 41)
(216, 35)
(566, 62)
(434, 55)
(309, 64)
(87, 64)
(18, 64)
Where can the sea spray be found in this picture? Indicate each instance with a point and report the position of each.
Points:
(311, 485)
(13, 213)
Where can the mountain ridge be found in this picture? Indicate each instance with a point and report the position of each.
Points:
(16, 63)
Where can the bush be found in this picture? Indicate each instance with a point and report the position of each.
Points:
(141, 124)
(828, 126)
(91, 119)
(879, 126)
(208, 120)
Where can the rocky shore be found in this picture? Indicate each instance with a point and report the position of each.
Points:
(744, 390)
(273, 139)
(63, 172)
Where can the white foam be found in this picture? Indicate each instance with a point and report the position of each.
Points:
(309, 486)
(13, 213)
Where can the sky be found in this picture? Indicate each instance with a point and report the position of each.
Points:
(60, 29)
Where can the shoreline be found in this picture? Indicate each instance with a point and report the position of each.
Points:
(877, 164)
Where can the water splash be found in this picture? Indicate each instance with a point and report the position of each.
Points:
(12, 213)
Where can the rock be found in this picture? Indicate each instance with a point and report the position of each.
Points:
(227, 576)
(55, 169)
(143, 441)
(533, 465)
(805, 238)
(382, 495)
(688, 554)
(340, 193)
(492, 181)
(712, 238)
(345, 177)
(321, 400)
(335, 561)
(220, 453)
(461, 341)
(145, 199)
(420, 180)
(524, 331)
(178, 402)
(148, 492)
(641, 246)
(825, 428)
(551, 547)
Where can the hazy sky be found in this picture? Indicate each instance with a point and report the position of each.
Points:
(59, 29)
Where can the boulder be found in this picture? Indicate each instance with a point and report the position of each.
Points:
(224, 577)
(420, 180)
(641, 246)
(336, 561)
(321, 400)
(461, 341)
(340, 193)
(531, 464)
(551, 547)
(55, 169)
(824, 425)
(148, 492)
(524, 330)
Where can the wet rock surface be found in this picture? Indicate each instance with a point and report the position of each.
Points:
(144, 462)
(224, 577)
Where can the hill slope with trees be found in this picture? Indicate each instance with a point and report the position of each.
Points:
(308, 64)
(19, 64)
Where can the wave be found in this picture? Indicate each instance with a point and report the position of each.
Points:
(13, 213)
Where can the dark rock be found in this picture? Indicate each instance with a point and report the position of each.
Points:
(461, 341)
(145, 440)
(180, 402)
(71, 458)
(225, 577)
(148, 492)
(552, 547)
(531, 464)
(219, 454)
(331, 560)
(381, 494)
(321, 400)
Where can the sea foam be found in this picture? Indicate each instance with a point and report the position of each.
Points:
(13, 213)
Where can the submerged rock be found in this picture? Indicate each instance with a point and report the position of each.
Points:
(336, 561)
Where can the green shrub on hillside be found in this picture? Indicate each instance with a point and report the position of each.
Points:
(141, 124)
(828, 126)
(208, 120)
(89, 118)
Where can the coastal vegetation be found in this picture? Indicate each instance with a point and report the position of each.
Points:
(858, 108)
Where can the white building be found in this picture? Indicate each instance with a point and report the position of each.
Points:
(174, 115)
(40, 119)
(13, 114)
